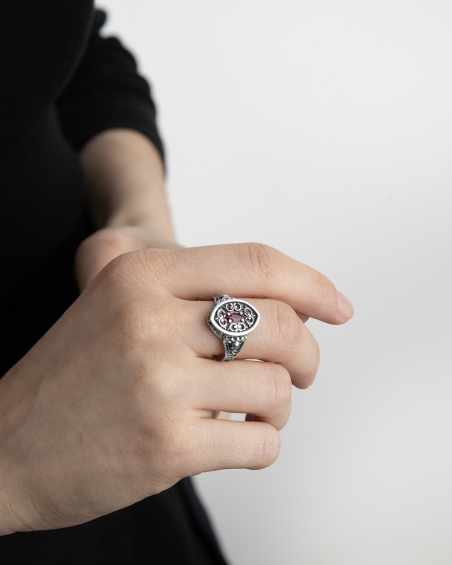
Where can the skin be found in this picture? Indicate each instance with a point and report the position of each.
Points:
(115, 402)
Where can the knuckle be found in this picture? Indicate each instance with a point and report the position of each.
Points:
(124, 272)
(267, 448)
(325, 291)
(138, 269)
(158, 262)
(261, 261)
(107, 240)
(129, 324)
(103, 241)
(286, 327)
(149, 322)
(279, 386)
(312, 365)
(139, 330)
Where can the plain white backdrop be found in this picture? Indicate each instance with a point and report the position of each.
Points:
(325, 129)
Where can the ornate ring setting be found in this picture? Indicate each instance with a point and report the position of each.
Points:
(232, 319)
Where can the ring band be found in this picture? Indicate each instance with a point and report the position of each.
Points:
(232, 319)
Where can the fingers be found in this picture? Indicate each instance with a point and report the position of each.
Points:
(248, 269)
(261, 389)
(210, 445)
(280, 337)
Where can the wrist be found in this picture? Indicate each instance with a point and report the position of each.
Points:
(148, 212)
(125, 181)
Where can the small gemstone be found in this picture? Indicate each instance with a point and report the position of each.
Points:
(234, 317)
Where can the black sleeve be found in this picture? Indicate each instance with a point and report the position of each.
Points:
(106, 92)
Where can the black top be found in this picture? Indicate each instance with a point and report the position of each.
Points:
(61, 83)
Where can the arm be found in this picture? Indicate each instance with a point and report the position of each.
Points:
(126, 193)
(114, 403)
(125, 179)
(107, 114)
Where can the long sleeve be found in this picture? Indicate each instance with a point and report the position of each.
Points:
(106, 92)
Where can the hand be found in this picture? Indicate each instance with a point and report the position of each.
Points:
(95, 252)
(115, 402)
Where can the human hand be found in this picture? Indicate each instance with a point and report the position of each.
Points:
(95, 252)
(115, 402)
(104, 245)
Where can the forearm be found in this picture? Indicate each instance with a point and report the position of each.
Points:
(126, 182)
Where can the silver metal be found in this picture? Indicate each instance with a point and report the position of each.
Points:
(232, 319)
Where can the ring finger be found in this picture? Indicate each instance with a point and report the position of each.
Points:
(280, 337)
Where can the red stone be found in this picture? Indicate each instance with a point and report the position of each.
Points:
(234, 317)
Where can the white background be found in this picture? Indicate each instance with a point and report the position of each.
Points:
(325, 129)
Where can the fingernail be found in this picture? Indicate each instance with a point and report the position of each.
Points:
(344, 306)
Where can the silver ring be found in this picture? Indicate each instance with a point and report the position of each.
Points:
(232, 319)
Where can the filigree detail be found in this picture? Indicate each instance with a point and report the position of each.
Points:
(233, 345)
(235, 317)
(232, 319)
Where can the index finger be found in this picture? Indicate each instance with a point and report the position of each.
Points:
(248, 269)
